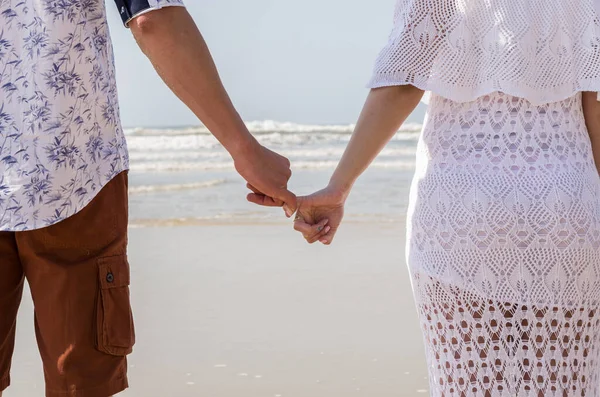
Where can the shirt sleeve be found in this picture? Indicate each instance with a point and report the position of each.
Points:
(130, 9)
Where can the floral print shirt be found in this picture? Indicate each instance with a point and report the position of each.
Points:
(61, 139)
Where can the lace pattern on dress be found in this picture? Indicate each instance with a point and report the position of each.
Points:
(504, 248)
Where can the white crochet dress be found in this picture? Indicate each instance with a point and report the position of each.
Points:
(504, 218)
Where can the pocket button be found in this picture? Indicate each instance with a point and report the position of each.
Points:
(110, 277)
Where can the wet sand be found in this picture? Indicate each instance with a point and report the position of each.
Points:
(253, 311)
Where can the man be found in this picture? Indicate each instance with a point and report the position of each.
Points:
(63, 181)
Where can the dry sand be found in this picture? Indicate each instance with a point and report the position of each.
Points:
(253, 311)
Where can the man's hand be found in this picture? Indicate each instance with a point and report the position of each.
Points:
(267, 174)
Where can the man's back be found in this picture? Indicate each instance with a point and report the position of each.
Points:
(60, 134)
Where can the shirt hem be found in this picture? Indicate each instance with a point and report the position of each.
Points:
(85, 203)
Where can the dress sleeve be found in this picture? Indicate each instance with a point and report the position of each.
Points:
(130, 9)
(463, 49)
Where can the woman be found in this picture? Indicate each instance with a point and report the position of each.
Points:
(503, 239)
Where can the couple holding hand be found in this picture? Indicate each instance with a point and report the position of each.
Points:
(503, 228)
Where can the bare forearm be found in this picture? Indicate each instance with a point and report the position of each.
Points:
(171, 40)
(383, 113)
(591, 110)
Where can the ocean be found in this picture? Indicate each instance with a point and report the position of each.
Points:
(183, 176)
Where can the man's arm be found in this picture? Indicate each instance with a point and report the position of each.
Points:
(171, 40)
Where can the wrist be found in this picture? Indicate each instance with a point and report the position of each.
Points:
(243, 145)
(341, 190)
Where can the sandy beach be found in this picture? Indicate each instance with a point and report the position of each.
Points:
(251, 310)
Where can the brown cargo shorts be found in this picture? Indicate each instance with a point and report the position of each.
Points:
(78, 274)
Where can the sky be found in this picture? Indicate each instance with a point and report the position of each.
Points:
(305, 62)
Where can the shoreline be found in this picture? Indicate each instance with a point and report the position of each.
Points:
(381, 221)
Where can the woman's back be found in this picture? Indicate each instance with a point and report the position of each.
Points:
(504, 220)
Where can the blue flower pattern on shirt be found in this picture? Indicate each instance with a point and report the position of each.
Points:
(61, 138)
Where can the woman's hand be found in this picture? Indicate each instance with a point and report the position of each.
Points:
(319, 215)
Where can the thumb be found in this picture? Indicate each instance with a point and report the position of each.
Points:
(290, 202)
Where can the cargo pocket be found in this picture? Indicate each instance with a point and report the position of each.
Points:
(115, 331)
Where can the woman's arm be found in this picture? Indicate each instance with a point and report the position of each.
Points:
(591, 111)
(383, 113)
(320, 214)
